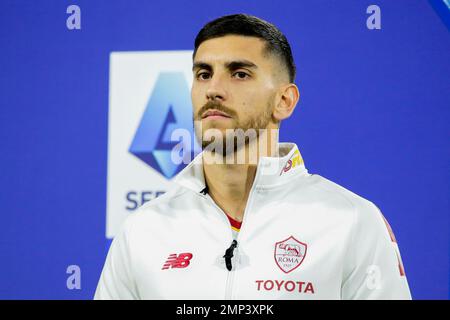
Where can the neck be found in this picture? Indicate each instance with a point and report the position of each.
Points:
(229, 183)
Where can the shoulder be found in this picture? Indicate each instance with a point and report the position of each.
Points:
(171, 199)
(171, 204)
(364, 211)
(369, 228)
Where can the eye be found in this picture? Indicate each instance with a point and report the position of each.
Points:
(241, 75)
(203, 76)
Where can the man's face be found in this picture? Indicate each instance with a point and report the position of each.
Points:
(233, 75)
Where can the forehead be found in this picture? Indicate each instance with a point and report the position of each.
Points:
(233, 47)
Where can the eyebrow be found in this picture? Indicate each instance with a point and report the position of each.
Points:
(232, 65)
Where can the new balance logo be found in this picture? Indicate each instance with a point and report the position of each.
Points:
(177, 261)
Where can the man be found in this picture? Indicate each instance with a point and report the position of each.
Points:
(246, 220)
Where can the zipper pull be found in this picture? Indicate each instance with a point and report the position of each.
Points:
(229, 254)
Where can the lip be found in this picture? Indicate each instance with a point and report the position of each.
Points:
(217, 117)
(215, 114)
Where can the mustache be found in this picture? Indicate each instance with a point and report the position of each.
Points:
(217, 106)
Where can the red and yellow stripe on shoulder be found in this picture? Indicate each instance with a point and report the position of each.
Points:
(397, 251)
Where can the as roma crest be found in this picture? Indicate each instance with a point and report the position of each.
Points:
(289, 254)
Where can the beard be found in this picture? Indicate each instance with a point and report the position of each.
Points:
(234, 136)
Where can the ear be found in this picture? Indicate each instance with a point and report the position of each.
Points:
(287, 99)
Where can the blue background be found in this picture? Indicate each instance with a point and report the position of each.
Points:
(374, 117)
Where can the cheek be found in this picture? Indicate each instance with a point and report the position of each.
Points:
(196, 100)
(253, 106)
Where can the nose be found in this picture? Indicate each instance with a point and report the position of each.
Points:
(216, 89)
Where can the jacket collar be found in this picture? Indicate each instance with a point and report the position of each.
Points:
(271, 171)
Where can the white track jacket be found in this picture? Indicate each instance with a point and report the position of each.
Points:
(302, 237)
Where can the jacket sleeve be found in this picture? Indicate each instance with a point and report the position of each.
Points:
(374, 265)
(116, 280)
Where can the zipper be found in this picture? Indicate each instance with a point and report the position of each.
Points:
(231, 273)
(230, 280)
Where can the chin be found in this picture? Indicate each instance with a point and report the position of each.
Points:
(215, 125)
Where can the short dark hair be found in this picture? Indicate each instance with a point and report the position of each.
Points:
(247, 25)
